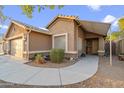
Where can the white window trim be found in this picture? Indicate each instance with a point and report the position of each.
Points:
(44, 51)
(72, 52)
(31, 52)
(66, 40)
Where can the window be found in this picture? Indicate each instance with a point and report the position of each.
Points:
(59, 42)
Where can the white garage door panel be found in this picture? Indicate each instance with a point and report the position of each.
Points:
(17, 47)
(1, 49)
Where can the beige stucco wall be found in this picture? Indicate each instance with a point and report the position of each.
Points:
(101, 43)
(81, 35)
(101, 50)
(39, 41)
(91, 35)
(18, 30)
(76, 28)
(61, 26)
(121, 46)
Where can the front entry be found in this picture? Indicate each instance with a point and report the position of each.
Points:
(91, 46)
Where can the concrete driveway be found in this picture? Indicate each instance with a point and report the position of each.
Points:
(12, 70)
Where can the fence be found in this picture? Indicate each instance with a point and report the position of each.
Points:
(107, 48)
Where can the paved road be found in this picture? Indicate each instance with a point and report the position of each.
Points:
(12, 70)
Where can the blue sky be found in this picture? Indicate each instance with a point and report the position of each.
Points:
(96, 13)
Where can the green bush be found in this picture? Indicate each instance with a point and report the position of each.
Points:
(57, 55)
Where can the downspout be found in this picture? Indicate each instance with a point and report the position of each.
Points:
(28, 45)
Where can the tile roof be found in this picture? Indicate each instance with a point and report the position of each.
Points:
(89, 26)
(28, 26)
(95, 27)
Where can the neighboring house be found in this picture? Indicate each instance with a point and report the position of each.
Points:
(67, 32)
(120, 45)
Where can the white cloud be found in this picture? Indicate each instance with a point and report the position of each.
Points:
(3, 26)
(95, 7)
(109, 19)
(113, 20)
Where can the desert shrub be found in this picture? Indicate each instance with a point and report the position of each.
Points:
(39, 58)
(57, 55)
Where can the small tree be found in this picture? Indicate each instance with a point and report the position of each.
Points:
(28, 10)
(114, 35)
(121, 24)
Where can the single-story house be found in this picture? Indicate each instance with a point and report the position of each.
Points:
(70, 33)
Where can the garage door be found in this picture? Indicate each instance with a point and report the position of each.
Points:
(17, 47)
(1, 48)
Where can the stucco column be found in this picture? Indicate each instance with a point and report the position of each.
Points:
(85, 46)
(28, 45)
(101, 50)
(8, 47)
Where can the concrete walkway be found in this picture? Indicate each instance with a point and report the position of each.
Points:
(15, 71)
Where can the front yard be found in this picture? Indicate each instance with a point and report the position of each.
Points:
(106, 76)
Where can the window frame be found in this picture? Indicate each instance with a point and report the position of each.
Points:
(66, 40)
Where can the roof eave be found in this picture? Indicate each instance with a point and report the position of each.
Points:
(57, 18)
(11, 25)
(25, 27)
(51, 22)
(109, 24)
